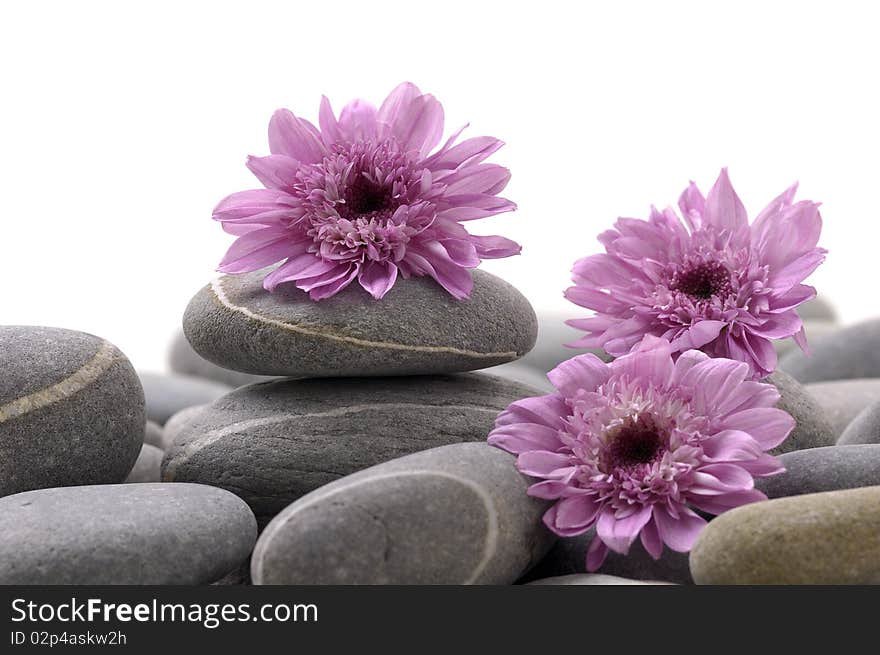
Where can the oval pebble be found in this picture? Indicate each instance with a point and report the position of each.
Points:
(71, 410)
(131, 534)
(417, 328)
(154, 435)
(843, 400)
(168, 394)
(824, 469)
(174, 424)
(864, 429)
(851, 352)
(812, 429)
(184, 360)
(273, 442)
(148, 467)
(457, 514)
(825, 538)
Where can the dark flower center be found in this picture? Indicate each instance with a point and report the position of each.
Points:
(703, 280)
(364, 196)
(635, 442)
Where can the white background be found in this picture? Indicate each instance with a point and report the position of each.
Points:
(122, 124)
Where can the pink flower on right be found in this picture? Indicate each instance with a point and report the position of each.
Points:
(635, 446)
(710, 282)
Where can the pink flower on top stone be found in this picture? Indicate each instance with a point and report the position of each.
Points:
(711, 282)
(364, 197)
(635, 446)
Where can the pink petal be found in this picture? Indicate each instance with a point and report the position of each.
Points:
(693, 206)
(295, 137)
(583, 372)
(546, 410)
(260, 248)
(619, 533)
(332, 288)
(548, 490)
(419, 125)
(483, 178)
(540, 463)
(721, 503)
(576, 513)
(769, 426)
(330, 132)
(470, 151)
(525, 437)
(377, 278)
(596, 554)
(494, 247)
(358, 122)
(681, 533)
(397, 103)
(247, 204)
(698, 335)
(651, 539)
(650, 363)
(455, 279)
(731, 446)
(301, 266)
(461, 252)
(724, 210)
(274, 171)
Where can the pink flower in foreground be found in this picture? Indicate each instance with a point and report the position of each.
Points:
(634, 446)
(714, 283)
(363, 197)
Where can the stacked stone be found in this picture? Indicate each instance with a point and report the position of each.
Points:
(329, 454)
(72, 428)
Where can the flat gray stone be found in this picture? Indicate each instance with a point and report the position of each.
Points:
(824, 469)
(593, 579)
(812, 429)
(154, 434)
(457, 514)
(569, 557)
(71, 410)
(417, 328)
(851, 352)
(176, 422)
(827, 538)
(184, 360)
(522, 373)
(148, 467)
(273, 442)
(168, 394)
(133, 534)
(864, 429)
(843, 400)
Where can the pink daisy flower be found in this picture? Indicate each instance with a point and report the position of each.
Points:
(364, 197)
(635, 446)
(711, 282)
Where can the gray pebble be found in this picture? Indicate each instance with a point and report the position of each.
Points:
(168, 394)
(815, 329)
(851, 352)
(273, 442)
(71, 410)
(184, 360)
(864, 429)
(148, 467)
(550, 349)
(131, 534)
(824, 469)
(817, 309)
(417, 328)
(843, 400)
(524, 374)
(812, 429)
(176, 423)
(457, 514)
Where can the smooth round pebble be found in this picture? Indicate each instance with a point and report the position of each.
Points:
(174, 424)
(135, 534)
(851, 352)
(817, 309)
(168, 394)
(148, 467)
(522, 373)
(843, 400)
(154, 434)
(71, 410)
(824, 469)
(828, 538)
(417, 328)
(864, 429)
(184, 360)
(457, 514)
(569, 557)
(273, 442)
(812, 429)
(594, 579)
